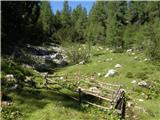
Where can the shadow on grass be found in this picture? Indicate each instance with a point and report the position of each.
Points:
(36, 99)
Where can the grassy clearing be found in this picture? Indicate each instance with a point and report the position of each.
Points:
(42, 104)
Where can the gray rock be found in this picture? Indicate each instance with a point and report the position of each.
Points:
(129, 50)
(10, 78)
(143, 84)
(82, 62)
(133, 81)
(130, 104)
(118, 66)
(111, 73)
(15, 87)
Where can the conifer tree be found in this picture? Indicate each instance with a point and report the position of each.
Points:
(46, 18)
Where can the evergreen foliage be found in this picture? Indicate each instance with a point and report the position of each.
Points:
(117, 24)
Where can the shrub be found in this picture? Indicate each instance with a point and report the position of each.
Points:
(19, 72)
(78, 54)
(11, 113)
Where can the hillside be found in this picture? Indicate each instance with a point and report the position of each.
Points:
(40, 103)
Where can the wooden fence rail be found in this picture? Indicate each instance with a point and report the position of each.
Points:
(117, 98)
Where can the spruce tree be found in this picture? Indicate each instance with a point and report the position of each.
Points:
(115, 23)
(46, 18)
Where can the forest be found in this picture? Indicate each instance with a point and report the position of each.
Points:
(117, 42)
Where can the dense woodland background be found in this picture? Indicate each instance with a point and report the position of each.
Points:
(119, 25)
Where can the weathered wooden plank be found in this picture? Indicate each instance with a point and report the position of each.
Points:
(91, 93)
(99, 106)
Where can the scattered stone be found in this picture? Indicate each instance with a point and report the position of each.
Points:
(130, 104)
(111, 51)
(15, 87)
(9, 77)
(82, 62)
(99, 74)
(111, 73)
(143, 84)
(92, 78)
(143, 94)
(133, 81)
(136, 58)
(129, 50)
(132, 53)
(61, 78)
(140, 100)
(118, 66)
(107, 49)
(109, 59)
(5, 103)
(100, 48)
(146, 59)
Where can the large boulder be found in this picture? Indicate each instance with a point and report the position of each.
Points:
(46, 58)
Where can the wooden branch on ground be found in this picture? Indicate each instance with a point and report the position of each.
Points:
(99, 106)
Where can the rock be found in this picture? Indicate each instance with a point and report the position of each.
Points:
(140, 100)
(143, 94)
(9, 77)
(133, 81)
(129, 50)
(143, 84)
(62, 63)
(61, 78)
(136, 58)
(100, 48)
(111, 73)
(111, 51)
(107, 49)
(109, 59)
(5, 103)
(146, 59)
(132, 53)
(99, 74)
(130, 104)
(82, 62)
(15, 87)
(37, 50)
(118, 66)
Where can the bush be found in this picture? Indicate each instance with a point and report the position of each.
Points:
(10, 67)
(11, 113)
(77, 54)
(152, 34)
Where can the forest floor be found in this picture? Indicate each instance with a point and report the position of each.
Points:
(43, 104)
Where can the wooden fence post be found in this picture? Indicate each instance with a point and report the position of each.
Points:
(123, 109)
(80, 97)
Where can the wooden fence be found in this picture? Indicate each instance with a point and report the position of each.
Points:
(113, 94)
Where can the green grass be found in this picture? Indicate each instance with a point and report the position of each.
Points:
(42, 104)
